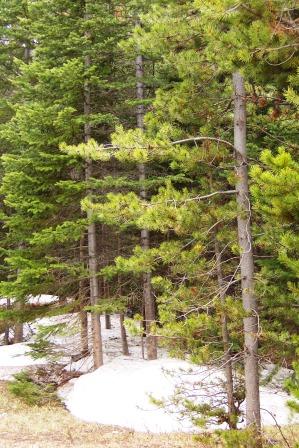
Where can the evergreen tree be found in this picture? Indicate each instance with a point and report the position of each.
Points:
(194, 99)
(42, 185)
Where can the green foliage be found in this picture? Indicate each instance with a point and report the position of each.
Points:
(229, 439)
(187, 78)
(292, 385)
(134, 326)
(113, 305)
(90, 150)
(31, 393)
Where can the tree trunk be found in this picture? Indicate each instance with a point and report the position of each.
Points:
(148, 298)
(107, 321)
(124, 340)
(106, 295)
(19, 327)
(92, 234)
(83, 314)
(6, 331)
(123, 333)
(94, 296)
(228, 368)
(253, 417)
(84, 333)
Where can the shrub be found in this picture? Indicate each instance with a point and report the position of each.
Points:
(31, 393)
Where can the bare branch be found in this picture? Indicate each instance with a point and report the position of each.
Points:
(197, 139)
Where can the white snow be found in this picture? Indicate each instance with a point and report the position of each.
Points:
(274, 407)
(119, 394)
(42, 299)
(16, 355)
(14, 358)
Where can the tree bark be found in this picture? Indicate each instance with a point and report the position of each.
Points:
(228, 368)
(123, 333)
(251, 330)
(106, 295)
(124, 340)
(148, 298)
(83, 314)
(19, 327)
(6, 331)
(108, 321)
(92, 234)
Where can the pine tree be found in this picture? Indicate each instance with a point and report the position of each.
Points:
(194, 101)
(42, 185)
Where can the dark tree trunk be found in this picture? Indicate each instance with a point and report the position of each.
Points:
(6, 331)
(107, 321)
(148, 298)
(107, 295)
(251, 330)
(123, 333)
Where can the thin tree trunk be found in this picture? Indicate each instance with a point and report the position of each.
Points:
(148, 298)
(6, 331)
(106, 295)
(107, 321)
(83, 314)
(253, 417)
(19, 326)
(94, 296)
(104, 285)
(123, 333)
(228, 368)
(84, 333)
(92, 234)
(124, 340)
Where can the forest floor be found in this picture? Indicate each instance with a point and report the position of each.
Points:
(22, 426)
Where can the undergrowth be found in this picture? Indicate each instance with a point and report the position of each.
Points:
(31, 393)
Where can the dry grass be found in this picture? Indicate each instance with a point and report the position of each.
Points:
(286, 436)
(32, 427)
(22, 426)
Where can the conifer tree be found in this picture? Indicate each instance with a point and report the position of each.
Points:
(193, 101)
(42, 185)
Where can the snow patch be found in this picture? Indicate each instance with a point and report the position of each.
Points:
(119, 394)
(42, 299)
(14, 358)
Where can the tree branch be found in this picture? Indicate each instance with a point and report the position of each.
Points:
(197, 139)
